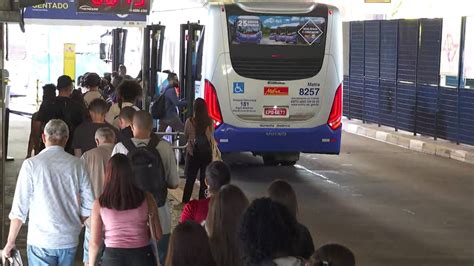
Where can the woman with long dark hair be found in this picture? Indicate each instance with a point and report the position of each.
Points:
(198, 131)
(267, 233)
(121, 214)
(222, 224)
(282, 192)
(189, 245)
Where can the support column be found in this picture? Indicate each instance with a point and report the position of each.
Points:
(2, 136)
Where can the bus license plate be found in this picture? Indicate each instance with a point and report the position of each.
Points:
(275, 112)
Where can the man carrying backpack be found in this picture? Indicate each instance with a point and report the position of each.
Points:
(64, 108)
(154, 168)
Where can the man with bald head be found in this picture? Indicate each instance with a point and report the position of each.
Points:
(143, 145)
(96, 161)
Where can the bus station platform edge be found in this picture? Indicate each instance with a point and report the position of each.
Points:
(408, 140)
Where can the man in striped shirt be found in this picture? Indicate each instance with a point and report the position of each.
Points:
(53, 189)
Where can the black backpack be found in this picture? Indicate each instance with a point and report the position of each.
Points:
(148, 170)
(158, 107)
(202, 145)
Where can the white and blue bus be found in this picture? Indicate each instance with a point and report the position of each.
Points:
(275, 99)
(268, 92)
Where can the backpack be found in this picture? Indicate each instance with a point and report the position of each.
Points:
(202, 145)
(158, 107)
(148, 170)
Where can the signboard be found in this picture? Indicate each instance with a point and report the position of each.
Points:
(114, 6)
(276, 30)
(65, 12)
(70, 59)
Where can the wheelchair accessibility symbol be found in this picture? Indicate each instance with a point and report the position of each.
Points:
(239, 87)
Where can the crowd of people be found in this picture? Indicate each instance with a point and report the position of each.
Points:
(94, 162)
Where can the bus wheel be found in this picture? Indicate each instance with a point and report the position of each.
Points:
(269, 161)
(288, 163)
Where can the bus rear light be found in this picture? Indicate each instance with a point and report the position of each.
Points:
(210, 96)
(335, 117)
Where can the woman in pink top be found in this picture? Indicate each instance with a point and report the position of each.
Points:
(121, 215)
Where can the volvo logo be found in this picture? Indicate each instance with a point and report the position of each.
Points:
(276, 134)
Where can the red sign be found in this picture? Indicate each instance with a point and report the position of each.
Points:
(275, 111)
(275, 91)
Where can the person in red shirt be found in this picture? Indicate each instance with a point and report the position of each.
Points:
(217, 175)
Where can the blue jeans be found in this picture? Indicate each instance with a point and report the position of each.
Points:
(50, 257)
(163, 248)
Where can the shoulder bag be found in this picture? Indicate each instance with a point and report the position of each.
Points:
(152, 211)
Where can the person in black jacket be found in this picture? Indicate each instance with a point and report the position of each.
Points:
(282, 192)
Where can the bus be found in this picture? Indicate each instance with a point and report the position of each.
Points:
(275, 101)
(274, 97)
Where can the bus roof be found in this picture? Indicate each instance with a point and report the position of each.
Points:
(284, 3)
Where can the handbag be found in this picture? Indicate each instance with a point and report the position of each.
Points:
(151, 225)
(216, 153)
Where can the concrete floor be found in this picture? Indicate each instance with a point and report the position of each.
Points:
(391, 206)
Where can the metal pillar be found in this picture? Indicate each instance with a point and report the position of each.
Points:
(119, 41)
(3, 76)
(153, 39)
(189, 36)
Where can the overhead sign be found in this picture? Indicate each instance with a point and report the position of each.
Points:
(65, 12)
(69, 59)
(114, 6)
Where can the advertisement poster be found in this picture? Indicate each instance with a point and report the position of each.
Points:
(114, 6)
(276, 30)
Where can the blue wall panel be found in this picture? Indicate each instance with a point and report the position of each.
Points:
(345, 96)
(357, 97)
(372, 48)
(447, 115)
(387, 103)
(406, 96)
(371, 101)
(394, 80)
(407, 50)
(356, 67)
(388, 49)
(466, 116)
(429, 52)
(426, 108)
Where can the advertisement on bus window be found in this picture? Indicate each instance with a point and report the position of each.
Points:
(276, 30)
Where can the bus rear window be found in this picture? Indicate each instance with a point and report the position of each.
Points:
(277, 46)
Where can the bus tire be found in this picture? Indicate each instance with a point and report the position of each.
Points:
(269, 161)
(288, 163)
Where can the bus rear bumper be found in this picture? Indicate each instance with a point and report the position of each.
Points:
(321, 139)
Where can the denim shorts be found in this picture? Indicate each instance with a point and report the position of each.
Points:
(50, 257)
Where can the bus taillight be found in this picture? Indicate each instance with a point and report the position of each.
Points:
(210, 96)
(335, 117)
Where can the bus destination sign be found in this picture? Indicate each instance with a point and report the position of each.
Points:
(114, 6)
